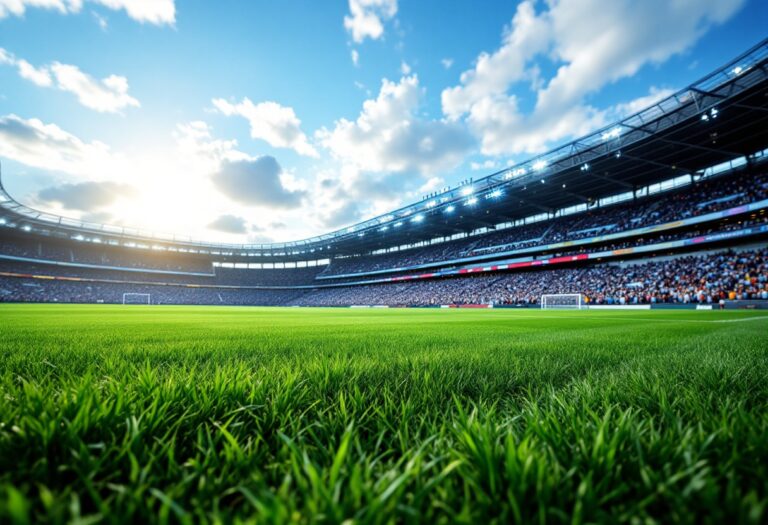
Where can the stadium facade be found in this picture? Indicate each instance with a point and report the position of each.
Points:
(667, 206)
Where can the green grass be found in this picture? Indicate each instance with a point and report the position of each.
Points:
(257, 415)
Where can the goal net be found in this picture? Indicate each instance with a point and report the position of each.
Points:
(563, 301)
(137, 298)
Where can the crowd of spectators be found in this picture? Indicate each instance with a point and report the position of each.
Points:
(13, 289)
(689, 279)
(692, 279)
(705, 197)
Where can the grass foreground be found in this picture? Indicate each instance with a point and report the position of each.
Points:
(112, 414)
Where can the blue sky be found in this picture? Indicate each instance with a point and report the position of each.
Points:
(253, 121)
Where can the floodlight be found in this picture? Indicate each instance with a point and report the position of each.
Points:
(417, 218)
(398, 224)
(737, 70)
(584, 167)
(539, 165)
(450, 208)
(431, 204)
(467, 190)
(495, 193)
(471, 201)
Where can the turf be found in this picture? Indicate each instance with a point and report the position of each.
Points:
(256, 415)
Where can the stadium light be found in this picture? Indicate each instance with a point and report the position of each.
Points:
(737, 70)
(398, 224)
(514, 173)
(383, 228)
(712, 114)
(431, 204)
(539, 165)
(2, 221)
(417, 218)
(584, 167)
(26, 228)
(468, 190)
(471, 201)
(450, 208)
(495, 193)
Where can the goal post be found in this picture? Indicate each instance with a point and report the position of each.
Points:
(137, 298)
(563, 301)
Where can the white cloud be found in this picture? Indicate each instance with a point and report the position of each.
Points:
(40, 76)
(447, 63)
(367, 17)
(640, 103)
(592, 43)
(388, 135)
(157, 12)
(228, 223)
(489, 164)
(109, 95)
(355, 57)
(47, 146)
(256, 182)
(277, 125)
(101, 20)
(405, 69)
(86, 196)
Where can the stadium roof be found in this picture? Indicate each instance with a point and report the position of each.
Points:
(720, 118)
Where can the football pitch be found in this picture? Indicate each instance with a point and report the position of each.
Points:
(267, 415)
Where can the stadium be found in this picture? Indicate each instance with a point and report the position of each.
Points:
(681, 185)
(578, 337)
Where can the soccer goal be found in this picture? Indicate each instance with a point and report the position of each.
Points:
(137, 298)
(563, 301)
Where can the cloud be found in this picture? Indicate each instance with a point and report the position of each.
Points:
(405, 69)
(344, 215)
(156, 12)
(447, 63)
(40, 76)
(271, 122)
(47, 146)
(229, 224)
(86, 196)
(367, 17)
(389, 136)
(109, 95)
(101, 20)
(590, 43)
(256, 182)
(355, 57)
(489, 164)
(640, 103)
